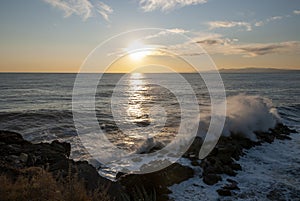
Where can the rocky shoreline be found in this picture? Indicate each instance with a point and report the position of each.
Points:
(18, 154)
(224, 157)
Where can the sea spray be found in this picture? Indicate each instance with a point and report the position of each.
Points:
(245, 115)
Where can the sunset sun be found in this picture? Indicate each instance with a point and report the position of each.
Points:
(137, 50)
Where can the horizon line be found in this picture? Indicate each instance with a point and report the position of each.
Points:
(184, 72)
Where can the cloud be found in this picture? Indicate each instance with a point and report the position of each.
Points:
(226, 46)
(259, 23)
(83, 8)
(258, 49)
(218, 44)
(166, 32)
(247, 25)
(176, 30)
(209, 39)
(104, 10)
(296, 12)
(271, 19)
(192, 48)
(229, 24)
(163, 5)
(274, 18)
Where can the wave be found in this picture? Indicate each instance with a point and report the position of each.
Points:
(245, 114)
(150, 145)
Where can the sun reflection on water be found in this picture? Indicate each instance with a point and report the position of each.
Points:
(137, 90)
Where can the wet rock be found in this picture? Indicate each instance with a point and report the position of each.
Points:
(62, 147)
(279, 132)
(233, 185)
(236, 166)
(211, 179)
(157, 181)
(9, 137)
(17, 154)
(23, 157)
(283, 192)
(194, 148)
(231, 181)
(283, 137)
(224, 192)
(13, 159)
(229, 171)
(228, 149)
(195, 163)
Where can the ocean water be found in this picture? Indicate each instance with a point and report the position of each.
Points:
(39, 106)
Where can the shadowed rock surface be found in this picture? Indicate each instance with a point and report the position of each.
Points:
(17, 154)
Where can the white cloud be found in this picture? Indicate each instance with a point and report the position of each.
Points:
(270, 19)
(248, 26)
(274, 18)
(83, 8)
(259, 23)
(176, 30)
(229, 24)
(296, 12)
(166, 32)
(165, 5)
(104, 10)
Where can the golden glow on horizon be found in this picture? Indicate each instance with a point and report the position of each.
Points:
(150, 64)
(66, 59)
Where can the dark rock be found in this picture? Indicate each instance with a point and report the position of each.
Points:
(283, 192)
(233, 185)
(221, 159)
(236, 166)
(23, 157)
(231, 181)
(195, 163)
(224, 192)
(17, 154)
(62, 147)
(211, 179)
(9, 137)
(194, 148)
(157, 181)
(279, 132)
(265, 137)
(283, 137)
(229, 171)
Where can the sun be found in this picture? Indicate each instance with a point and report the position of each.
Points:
(137, 50)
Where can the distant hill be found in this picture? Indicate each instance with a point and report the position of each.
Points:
(258, 70)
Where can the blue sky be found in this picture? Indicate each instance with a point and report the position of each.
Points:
(52, 36)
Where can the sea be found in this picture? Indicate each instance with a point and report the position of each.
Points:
(39, 106)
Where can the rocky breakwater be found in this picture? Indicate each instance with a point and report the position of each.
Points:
(17, 154)
(224, 157)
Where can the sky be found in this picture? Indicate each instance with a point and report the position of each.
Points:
(57, 36)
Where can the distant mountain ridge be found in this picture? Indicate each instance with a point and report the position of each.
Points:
(258, 70)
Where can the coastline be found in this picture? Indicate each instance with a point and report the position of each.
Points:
(18, 154)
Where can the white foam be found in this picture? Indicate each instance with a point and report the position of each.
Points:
(149, 144)
(270, 167)
(245, 114)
